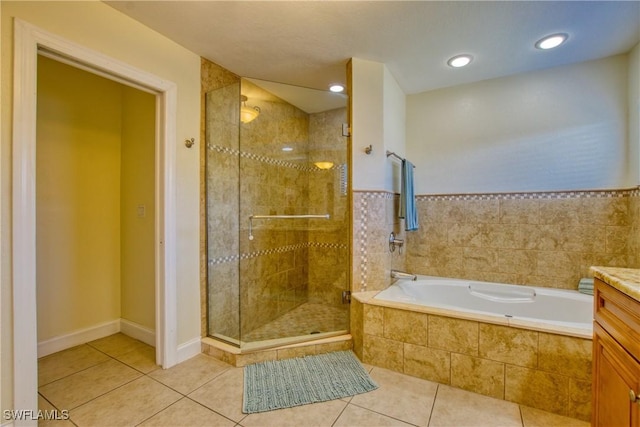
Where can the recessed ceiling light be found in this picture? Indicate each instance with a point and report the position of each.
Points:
(459, 61)
(287, 148)
(336, 88)
(554, 40)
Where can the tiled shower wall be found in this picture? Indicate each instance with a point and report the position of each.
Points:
(543, 239)
(213, 77)
(289, 261)
(328, 239)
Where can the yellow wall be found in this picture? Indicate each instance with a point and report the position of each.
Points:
(97, 26)
(137, 190)
(95, 167)
(77, 199)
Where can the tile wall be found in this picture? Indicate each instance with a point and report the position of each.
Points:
(375, 216)
(634, 233)
(537, 369)
(328, 239)
(213, 78)
(542, 239)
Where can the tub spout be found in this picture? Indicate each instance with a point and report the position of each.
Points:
(397, 274)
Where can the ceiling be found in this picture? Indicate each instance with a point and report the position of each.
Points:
(308, 43)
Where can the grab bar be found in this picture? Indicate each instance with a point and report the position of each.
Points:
(252, 217)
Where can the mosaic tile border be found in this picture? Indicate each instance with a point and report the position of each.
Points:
(363, 242)
(542, 195)
(272, 161)
(282, 249)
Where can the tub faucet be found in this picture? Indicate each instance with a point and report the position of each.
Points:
(397, 274)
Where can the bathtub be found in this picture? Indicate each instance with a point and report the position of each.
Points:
(498, 340)
(544, 309)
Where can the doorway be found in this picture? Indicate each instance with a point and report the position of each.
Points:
(95, 192)
(29, 41)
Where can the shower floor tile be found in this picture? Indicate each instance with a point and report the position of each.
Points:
(306, 319)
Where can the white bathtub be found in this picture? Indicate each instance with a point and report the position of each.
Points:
(552, 310)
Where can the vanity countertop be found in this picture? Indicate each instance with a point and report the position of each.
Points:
(626, 280)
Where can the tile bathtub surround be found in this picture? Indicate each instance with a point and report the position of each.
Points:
(183, 396)
(542, 370)
(542, 239)
(375, 216)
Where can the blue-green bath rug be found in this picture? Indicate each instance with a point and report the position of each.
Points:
(293, 382)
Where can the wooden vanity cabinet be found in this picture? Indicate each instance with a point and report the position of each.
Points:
(616, 358)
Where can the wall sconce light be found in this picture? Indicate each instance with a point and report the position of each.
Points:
(247, 114)
(324, 165)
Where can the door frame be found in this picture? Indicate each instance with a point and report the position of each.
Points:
(28, 40)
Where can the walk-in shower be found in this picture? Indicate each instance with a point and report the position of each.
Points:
(277, 214)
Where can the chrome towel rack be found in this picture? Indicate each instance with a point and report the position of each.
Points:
(252, 217)
(392, 154)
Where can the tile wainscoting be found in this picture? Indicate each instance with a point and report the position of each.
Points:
(538, 369)
(547, 239)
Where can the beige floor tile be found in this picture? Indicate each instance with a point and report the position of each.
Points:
(367, 368)
(186, 412)
(454, 407)
(117, 344)
(67, 362)
(81, 387)
(189, 375)
(51, 413)
(143, 359)
(223, 394)
(355, 416)
(536, 418)
(400, 396)
(125, 406)
(316, 415)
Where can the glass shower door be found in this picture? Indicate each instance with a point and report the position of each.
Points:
(278, 215)
(222, 176)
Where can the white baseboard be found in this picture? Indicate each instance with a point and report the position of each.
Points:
(78, 337)
(82, 336)
(189, 349)
(139, 332)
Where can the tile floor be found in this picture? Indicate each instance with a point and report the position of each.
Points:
(115, 382)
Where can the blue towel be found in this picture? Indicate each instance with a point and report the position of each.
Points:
(408, 209)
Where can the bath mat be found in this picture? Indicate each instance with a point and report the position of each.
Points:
(293, 382)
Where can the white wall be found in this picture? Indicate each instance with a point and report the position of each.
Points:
(394, 129)
(634, 116)
(558, 129)
(101, 28)
(378, 119)
(367, 112)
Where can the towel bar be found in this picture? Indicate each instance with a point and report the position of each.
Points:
(252, 217)
(392, 154)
